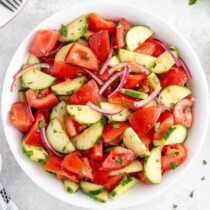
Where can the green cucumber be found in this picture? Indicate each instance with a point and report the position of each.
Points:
(150, 104)
(134, 93)
(57, 137)
(172, 94)
(153, 81)
(175, 134)
(114, 61)
(37, 80)
(83, 114)
(135, 166)
(101, 197)
(32, 60)
(136, 36)
(126, 184)
(74, 30)
(87, 35)
(164, 62)
(152, 166)
(68, 87)
(158, 143)
(91, 188)
(89, 137)
(71, 187)
(146, 60)
(62, 52)
(134, 143)
(22, 95)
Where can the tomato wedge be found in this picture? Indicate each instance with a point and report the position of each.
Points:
(99, 43)
(118, 158)
(175, 76)
(144, 119)
(142, 178)
(40, 103)
(133, 81)
(88, 92)
(112, 182)
(96, 153)
(20, 117)
(43, 42)
(81, 55)
(146, 141)
(183, 113)
(173, 156)
(70, 126)
(147, 48)
(97, 23)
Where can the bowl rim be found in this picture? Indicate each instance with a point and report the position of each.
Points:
(192, 52)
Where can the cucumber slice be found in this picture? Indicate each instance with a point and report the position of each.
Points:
(153, 81)
(101, 197)
(126, 184)
(37, 154)
(22, 95)
(164, 62)
(114, 61)
(134, 143)
(91, 188)
(32, 60)
(70, 186)
(61, 54)
(136, 36)
(87, 34)
(83, 114)
(175, 134)
(89, 137)
(146, 60)
(134, 93)
(172, 94)
(58, 138)
(152, 166)
(120, 117)
(135, 166)
(74, 30)
(158, 143)
(69, 86)
(150, 104)
(37, 80)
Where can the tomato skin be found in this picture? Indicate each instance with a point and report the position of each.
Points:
(142, 178)
(20, 117)
(43, 42)
(112, 182)
(175, 76)
(133, 81)
(144, 119)
(146, 140)
(182, 112)
(147, 48)
(99, 43)
(174, 153)
(118, 158)
(97, 23)
(88, 92)
(158, 48)
(111, 134)
(96, 153)
(70, 126)
(81, 55)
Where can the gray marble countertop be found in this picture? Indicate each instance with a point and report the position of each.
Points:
(193, 22)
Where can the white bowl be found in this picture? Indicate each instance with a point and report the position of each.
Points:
(111, 10)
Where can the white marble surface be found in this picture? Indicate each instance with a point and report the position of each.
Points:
(193, 22)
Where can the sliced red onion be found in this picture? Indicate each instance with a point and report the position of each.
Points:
(141, 103)
(185, 68)
(98, 80)
(109, 81)
(118, 66)
(165, 108)
(122, 82)
(102, 111)
(140, 66)
(46, 143)
(176, 60)
(30, 112)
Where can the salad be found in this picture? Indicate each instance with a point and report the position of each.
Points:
(103, 105)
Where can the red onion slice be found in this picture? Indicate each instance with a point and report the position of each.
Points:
(122, 82)
(141, 103)
(185, 68)
(103, 111)
(118, 66)
(140, 66)
(98, 80)
(30, 112)
(164, 107)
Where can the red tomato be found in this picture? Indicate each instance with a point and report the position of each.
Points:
(47, 101)
(96, 153)
(175, 76)
(158, 48)
(43, 42)
(173, 156)
(165, 121)
(104, 76)
(112, 131)
(73, 163)
(99, 43)
(70, 126)
(88, 92)
(118, 158)
(97, 23)
(183, 113)
(33, 136)
(112, 182)
(144, 119)
(81, 55)
(147, 48)
(142, 178)
(20, 117)
(133, 81)
(122, 28)
(146, 141)
(63, 71)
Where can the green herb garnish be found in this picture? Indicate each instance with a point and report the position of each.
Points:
(64, 30)
(157, 126)
(173, 165)
(42, 124)
(115, 126)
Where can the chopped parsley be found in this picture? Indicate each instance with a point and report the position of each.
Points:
(79, 108)
(115, 126)
(42, 124)
(173, 165)
(191, 2)
(203, 178)
(175, 206)
(191, 194)
(64, 30)
(157, 126)
(119, 161)
(120, 25)
(85, 57)
(204, 162)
